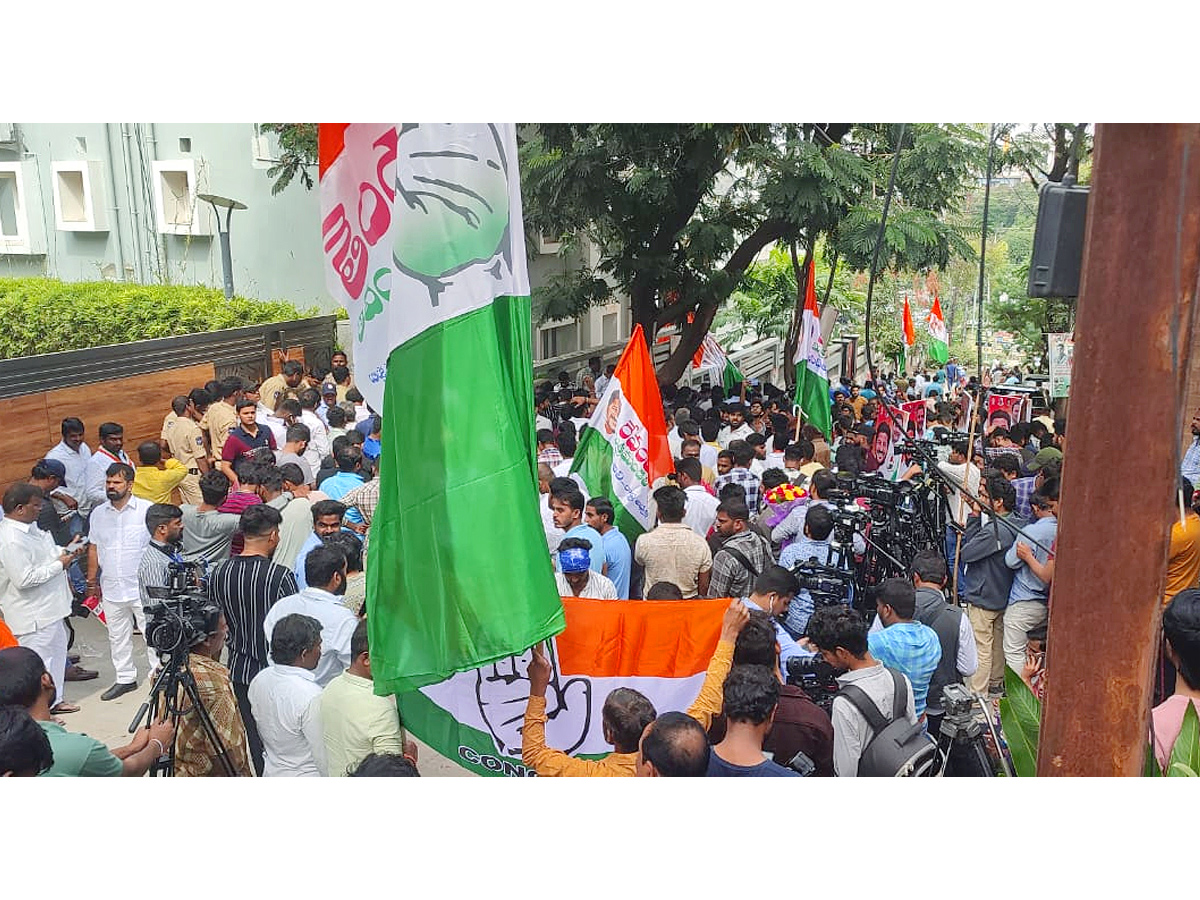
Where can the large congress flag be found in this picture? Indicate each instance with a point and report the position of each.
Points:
(910, 339)
(659, 647)
(624, 448)
(812, 377)
(424, 243)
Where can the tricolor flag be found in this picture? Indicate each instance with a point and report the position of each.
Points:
(430, 216)
(910, 338)
(939, 346)
(624, 448)
(812, 378)
(711, 356)
(659, 647)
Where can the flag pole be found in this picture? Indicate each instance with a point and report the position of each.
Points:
(799, 415)
(966, 484)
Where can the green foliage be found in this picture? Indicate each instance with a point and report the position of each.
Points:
(680, 212)
(298, 153)
(1021, 718)
(1185, 755)
(43, 315)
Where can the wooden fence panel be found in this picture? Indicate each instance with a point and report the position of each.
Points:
(30, 424)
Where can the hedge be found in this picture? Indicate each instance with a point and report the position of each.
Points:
(44, 315)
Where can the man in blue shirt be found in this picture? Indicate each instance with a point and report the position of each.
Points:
(568, 515)
(818, 525)
(349, 462)
(617, 555)
(1028, 596)
(903, 644)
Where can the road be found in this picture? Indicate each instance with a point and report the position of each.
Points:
(109, 721)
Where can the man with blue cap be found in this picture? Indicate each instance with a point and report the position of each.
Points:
(575, 577)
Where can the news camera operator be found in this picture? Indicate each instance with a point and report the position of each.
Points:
(195, 754)
(801, 736)
(822, 485)
(840, 634)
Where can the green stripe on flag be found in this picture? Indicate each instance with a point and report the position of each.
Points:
(459, 575)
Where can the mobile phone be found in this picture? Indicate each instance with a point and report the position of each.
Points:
(802, 764)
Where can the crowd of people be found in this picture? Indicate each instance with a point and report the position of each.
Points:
(277, 489)
(749, 500)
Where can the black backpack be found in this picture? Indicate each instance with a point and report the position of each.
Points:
(898, 748)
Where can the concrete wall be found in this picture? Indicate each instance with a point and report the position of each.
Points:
(275, 241)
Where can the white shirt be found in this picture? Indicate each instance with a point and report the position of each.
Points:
(708, 455)
(601, 384)
(554, 534)
(318, 443)
(599, 587)
(701, 510)
(361, 413)
(675, 441)
(850, 730)
(34, 591)
(957, 472)
(740, 433)
(76, 465)
(541, 422)
(286, 703)
(97, 468)
(337, 627)
(121, 539)
(277, 428)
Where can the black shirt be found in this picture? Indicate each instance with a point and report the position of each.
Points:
(246, 587)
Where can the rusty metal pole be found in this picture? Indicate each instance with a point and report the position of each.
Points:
(1133, 340)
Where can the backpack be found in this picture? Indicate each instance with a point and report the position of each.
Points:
(897, 749)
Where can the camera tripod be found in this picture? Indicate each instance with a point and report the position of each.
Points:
(960, 742)
(166, 695)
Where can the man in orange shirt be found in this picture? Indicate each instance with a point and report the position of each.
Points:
(627, 712)
(1183, 572)
(1183, 561)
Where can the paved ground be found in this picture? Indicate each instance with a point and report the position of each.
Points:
(109, 721)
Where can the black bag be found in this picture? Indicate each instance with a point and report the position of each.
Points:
(898, 748)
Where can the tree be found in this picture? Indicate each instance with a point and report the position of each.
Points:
(298, 153)
(679, 212)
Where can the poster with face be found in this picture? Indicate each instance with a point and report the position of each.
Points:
(1002, 411)
(914, 419)
(1062, 358)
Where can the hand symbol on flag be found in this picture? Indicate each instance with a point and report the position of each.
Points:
(502, 690)
(452, 202)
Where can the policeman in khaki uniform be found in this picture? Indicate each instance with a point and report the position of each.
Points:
(186, 442)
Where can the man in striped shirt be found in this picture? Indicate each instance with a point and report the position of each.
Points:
(245, 587)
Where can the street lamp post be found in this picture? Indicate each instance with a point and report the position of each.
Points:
(226, 256)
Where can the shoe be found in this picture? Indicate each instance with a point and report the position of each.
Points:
(73, 658)
(117, 690)
(64, 708)
(78, 673)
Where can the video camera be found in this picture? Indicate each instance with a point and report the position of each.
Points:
(184, 615)
(825, 584)
(814, 676)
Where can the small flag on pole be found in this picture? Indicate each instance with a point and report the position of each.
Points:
(910, 338)
(812, 377)
(939, 346)
(711, 356)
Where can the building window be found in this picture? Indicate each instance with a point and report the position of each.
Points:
(176, 208)
(22, 231)
(79, 202)
(560, 340)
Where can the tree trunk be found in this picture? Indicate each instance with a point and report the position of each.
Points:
(801, 272)
(691, 334)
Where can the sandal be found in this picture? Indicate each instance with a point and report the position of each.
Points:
(64, 708)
